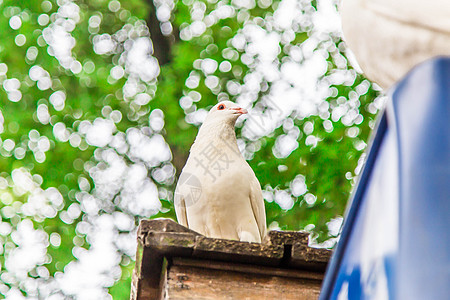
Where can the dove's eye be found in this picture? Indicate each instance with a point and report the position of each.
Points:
(221, 107)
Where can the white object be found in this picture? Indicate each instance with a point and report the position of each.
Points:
(218, 194)
(390, 37)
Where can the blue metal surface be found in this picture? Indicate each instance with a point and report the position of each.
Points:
(395, 241)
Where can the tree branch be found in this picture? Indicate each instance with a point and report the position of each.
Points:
(162, 46)
(161, 43)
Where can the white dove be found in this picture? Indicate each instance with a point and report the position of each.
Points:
(218, 194)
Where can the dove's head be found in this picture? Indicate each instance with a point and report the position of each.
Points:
(219, 124)
(225, 111)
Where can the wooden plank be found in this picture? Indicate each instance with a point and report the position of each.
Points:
(276, 237)
(309, 258)
(229, 250)
(170, 243)
(188, 282)
(247, 268)
(162, 225)
(148, 276)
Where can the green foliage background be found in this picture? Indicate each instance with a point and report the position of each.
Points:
(45, 152)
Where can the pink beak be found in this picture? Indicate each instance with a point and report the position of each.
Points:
(240, 110)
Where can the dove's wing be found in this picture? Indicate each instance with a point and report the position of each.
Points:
(257, 202)
(180, 209)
